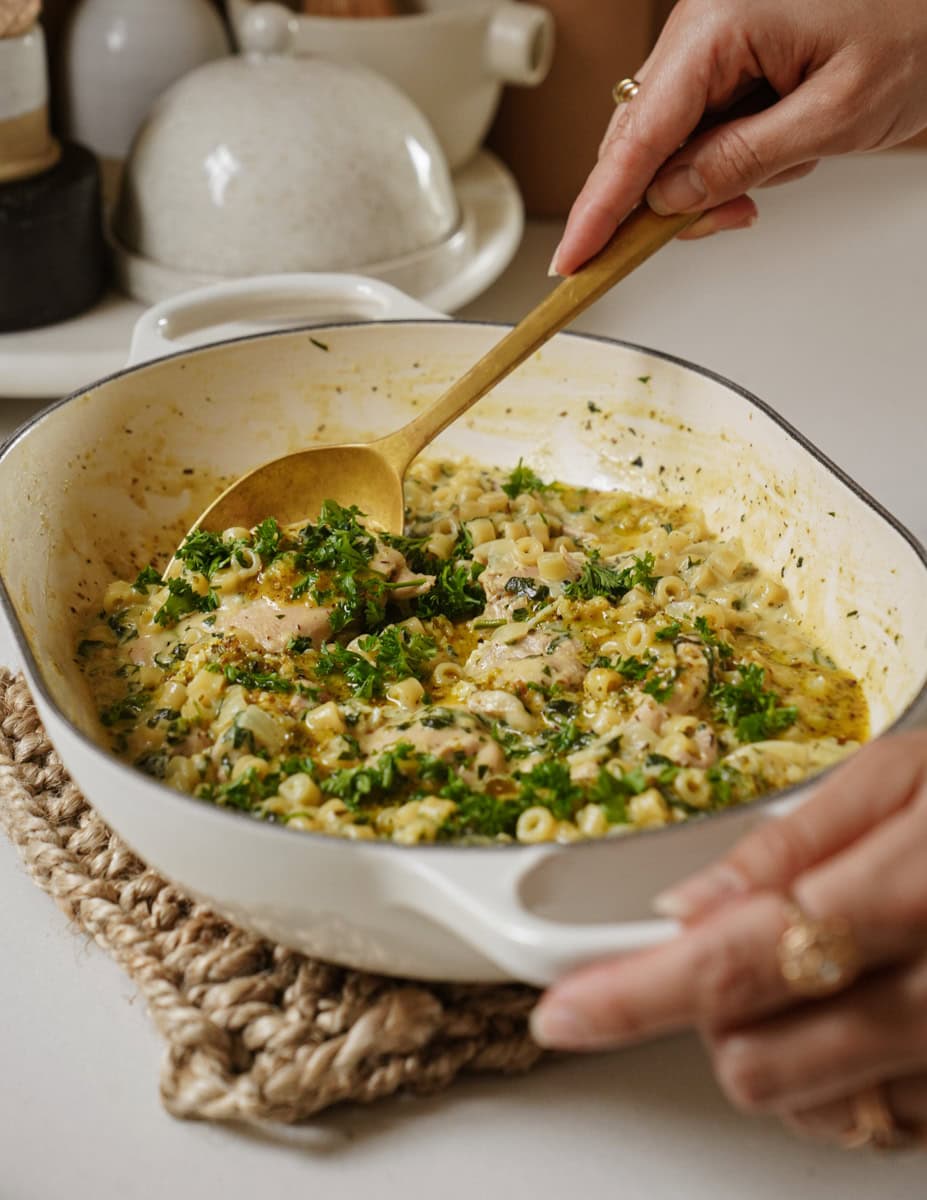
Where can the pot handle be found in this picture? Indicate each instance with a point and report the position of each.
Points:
(244, 307)
(480, 900)
(520, 44)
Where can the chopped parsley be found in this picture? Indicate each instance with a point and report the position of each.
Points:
(531, 589)
(182, 601)
(124, 630)
(631, 667)
(360, 674)
(549, 784)
(598, 579)
(661, 685)
(728, 785)
(456, 593)
(337, 542)
(523, 479)
(439, 718)
(613, 792)
(400, 653)
(207, 553)
(478, 814)
(251, 676)
(170, 658)
(147, 578)
(266, 540)
(711, 639)
(88, 645)
(393, 655)
(669, 633)
(359, 785)
(125, 709)
(752, 711)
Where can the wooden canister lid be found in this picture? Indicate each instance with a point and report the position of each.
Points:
(18, 16)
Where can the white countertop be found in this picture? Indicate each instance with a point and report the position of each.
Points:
(821, 310)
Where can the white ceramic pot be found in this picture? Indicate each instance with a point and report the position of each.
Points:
(266, 162)
(452, 59)
(118, 56)
(113, 475)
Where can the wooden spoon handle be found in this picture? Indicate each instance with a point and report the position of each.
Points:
(641, 235)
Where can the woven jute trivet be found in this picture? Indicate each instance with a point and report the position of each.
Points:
(254, 1032)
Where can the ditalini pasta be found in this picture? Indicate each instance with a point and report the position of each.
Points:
(530, 662)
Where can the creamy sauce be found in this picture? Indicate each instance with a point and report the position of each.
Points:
(530, 662)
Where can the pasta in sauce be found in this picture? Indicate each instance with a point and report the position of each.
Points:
(530, 662)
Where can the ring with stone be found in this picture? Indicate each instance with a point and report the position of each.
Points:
(817, 957)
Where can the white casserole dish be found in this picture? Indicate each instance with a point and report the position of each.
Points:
(113, 474)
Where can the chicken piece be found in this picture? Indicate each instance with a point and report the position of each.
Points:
(389, 562)
(465, 739)
(272, 625)
(642, 729)
(691, 684)
(500, 604)
(504, 707)
(539, 657)
(707, 748)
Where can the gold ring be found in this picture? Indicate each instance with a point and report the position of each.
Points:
(874, 1123)
(817, 957)
(626, 90)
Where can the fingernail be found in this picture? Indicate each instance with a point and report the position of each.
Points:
(552, 271)
(701, 892)
(680, 189)
(561, 1028)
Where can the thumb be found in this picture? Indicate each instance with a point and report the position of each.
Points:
(874, 784)
(734, 157)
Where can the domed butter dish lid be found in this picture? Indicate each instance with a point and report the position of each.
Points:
(266, 163)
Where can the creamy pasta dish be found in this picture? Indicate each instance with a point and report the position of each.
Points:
(529, 662)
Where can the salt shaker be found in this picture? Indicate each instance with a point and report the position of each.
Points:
(118, 56)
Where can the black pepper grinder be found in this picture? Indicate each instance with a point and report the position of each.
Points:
(52, 255)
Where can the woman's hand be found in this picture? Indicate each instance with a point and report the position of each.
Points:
(852, 75)
(857, 850)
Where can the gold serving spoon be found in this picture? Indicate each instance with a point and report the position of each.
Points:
(370, 474)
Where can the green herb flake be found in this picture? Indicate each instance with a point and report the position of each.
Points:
(523, 479)
(531, 589)
(711, 639)
(252, 676)
(147, 578)
(182, 601)
(266, 540)
(661, 686)
(752, 711)
(455, 594)
(206, 553)
(598, 579)
(125, 709)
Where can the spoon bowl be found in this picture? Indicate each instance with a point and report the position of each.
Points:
(294, 488)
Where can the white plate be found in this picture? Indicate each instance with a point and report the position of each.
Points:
(43, 364)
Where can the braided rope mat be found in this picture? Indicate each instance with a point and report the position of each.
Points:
(254, 1032)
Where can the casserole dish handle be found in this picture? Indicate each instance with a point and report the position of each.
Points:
(482, 902)
(244, 307)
